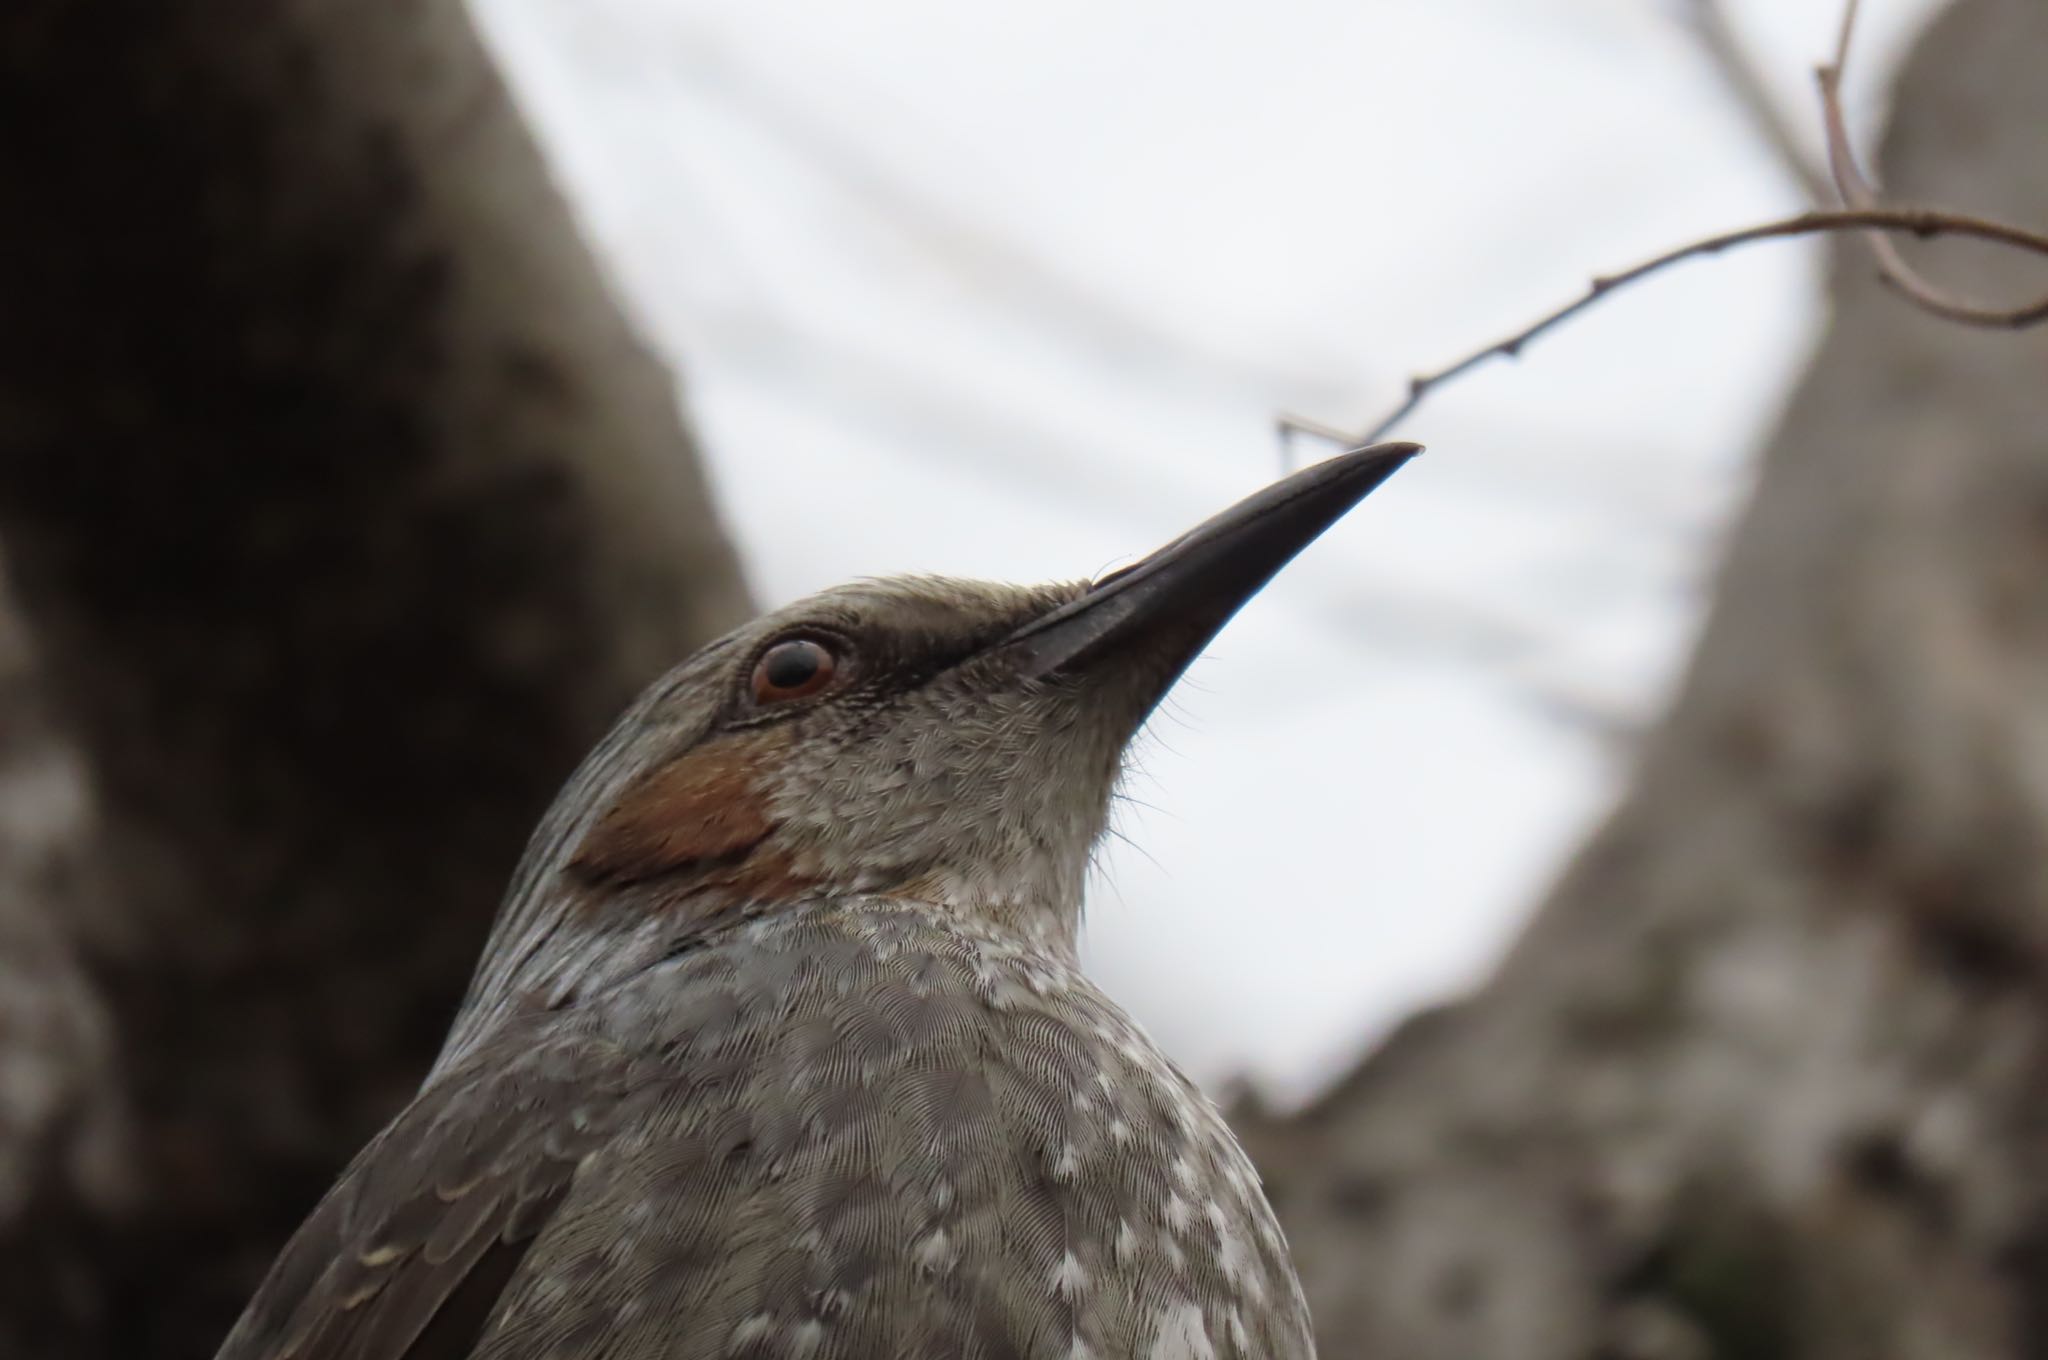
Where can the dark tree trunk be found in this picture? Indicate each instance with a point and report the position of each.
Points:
(344, 510)
(1766, 1077)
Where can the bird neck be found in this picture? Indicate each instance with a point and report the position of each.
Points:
(559, 944)
(1042, 914)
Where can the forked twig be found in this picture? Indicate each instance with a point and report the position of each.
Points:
(1921, 222)
(1859, 193)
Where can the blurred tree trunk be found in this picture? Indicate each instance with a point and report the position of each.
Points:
(1768, 1077)
(344, 510)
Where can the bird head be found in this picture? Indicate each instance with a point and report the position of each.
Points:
(951, 741)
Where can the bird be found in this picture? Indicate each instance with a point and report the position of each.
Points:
(779, 1045)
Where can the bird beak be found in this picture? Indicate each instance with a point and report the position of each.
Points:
(1182, 595)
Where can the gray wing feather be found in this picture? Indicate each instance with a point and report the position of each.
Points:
(406, 1256)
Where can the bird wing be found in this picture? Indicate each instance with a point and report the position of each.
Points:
(406, 1257)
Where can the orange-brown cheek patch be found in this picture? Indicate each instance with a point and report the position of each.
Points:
(702, 809)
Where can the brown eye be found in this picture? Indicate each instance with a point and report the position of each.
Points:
(790, 670)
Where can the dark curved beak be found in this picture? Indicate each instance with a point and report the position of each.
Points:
(1173, 602)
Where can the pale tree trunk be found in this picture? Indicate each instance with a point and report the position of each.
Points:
(1768, 1076)
(344, 510)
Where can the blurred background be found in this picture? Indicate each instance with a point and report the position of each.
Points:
(1604, 879)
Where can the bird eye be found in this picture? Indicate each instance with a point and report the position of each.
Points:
(792, 669)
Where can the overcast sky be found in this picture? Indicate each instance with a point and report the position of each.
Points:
(1016, 290)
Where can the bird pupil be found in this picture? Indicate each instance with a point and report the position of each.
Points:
(791, 665)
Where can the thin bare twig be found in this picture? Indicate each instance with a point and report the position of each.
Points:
(1731, 60)
(1301, 427)
(1858, 193)
(1848, 30)
(1922, 222)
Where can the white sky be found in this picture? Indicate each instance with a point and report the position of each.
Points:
(1015, 291)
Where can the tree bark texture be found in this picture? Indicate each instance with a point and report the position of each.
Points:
(1767, 1079)
(344, 510)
